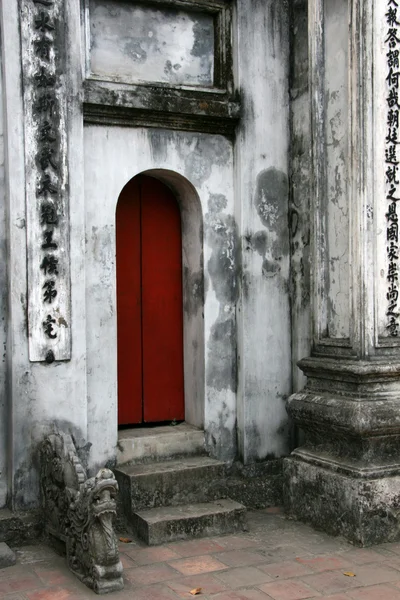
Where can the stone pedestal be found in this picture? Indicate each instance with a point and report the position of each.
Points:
(345, 479)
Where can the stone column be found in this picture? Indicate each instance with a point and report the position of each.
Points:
(345, 479)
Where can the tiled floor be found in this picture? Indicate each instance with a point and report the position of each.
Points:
(276, 559)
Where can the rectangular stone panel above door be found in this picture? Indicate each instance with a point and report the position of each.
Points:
(134, 42)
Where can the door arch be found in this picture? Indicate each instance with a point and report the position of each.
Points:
(149, 303)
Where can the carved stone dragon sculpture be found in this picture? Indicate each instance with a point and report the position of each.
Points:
(80, 512)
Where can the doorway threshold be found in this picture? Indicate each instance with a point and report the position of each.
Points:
(164, 442)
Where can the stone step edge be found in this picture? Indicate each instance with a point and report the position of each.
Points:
(167, 524)
(186, 463)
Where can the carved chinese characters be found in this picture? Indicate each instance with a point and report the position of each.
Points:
(43, 32)
(392, 41)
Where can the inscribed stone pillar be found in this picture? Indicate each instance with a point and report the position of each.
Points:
(345, 479)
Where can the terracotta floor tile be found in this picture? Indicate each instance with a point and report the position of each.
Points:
(208, 583)
(197, 564)
(147, 556)
(196, 547)
(337, 597)
(243, 577)
(331, 582)
(243, 594)
(149, 574)
(236, 542)
(363, 556)
(127, 561)
(375, 592)
(326, 563)
(20, 584)
(285, 569)
(54, 593)
(151, 592)
(288, 590)
(239, 558)
(54, 576)
(375, 573)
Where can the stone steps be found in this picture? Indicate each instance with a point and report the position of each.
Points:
(169, 489)
(170, 483)
(167, 524)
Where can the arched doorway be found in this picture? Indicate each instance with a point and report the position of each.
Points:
(149, 304)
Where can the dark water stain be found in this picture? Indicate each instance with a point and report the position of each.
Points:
(193, 297)
(271, 202)
(271, 198)
(159, 141)
(134, 50)
(221, 442)
(257, 241)
(203, 31)
(217, 203)
(209, 150)
(270, 268)
(224, 268)
(222, 371)
(222, 235)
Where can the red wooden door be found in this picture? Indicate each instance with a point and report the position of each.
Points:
(149, 304)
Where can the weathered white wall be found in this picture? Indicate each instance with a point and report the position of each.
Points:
(262, 213)
(4, 396)
(244, 373)
(114, 155)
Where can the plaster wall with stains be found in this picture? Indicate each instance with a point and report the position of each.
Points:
(42, 398)
(4, 397)
(196, 166)
(261, 167)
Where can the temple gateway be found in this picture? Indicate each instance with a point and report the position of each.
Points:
(199, 264)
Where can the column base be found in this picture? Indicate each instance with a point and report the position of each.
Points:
(341, 499)
(345, 479)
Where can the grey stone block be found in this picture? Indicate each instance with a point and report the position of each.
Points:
(7, 556)
(166, 524)
(20, 527)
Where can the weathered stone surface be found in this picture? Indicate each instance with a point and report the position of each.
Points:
(364, 511)
(7, 556)
(166, 524)
(345, 478)
(169, 483)
(20, 527)
(256, 486)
